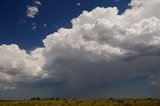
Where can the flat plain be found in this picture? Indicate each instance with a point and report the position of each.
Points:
(81, 102)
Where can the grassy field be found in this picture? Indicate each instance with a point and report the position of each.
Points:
(82, 102)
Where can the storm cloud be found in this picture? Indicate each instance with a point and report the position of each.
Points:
(102, 48)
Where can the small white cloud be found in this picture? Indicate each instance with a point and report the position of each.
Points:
(34, 24)
(78, 4)
(32, 11)
(45, 25)
(38, 2)
(34, 28)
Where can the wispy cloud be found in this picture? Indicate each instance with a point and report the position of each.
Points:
(22, 21)
(56, 26)
(37, 2)
(34, 26)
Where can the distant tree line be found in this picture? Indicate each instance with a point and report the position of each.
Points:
(37, 98)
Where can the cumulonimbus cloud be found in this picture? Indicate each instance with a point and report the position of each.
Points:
(102, 47)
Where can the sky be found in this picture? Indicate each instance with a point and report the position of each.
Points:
(51, 15)
(79, 48)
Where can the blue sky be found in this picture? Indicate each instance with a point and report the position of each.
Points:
(17, 27)
(79, 48)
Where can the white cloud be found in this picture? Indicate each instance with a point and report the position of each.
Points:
(18, 66)
(45, 25)
(34, 27)
(102, 47)
(32, 11)
(78, 4)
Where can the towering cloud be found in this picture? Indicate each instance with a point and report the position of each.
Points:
(100, 49)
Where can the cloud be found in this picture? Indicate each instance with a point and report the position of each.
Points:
(32, 11)
(22, 21)
(34, 26)
(101, 49)
(56, 26)
(78, 4)
(45, 25)
(37, 2)
(17, 66)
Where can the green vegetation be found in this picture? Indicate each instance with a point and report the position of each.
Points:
(81, 102)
